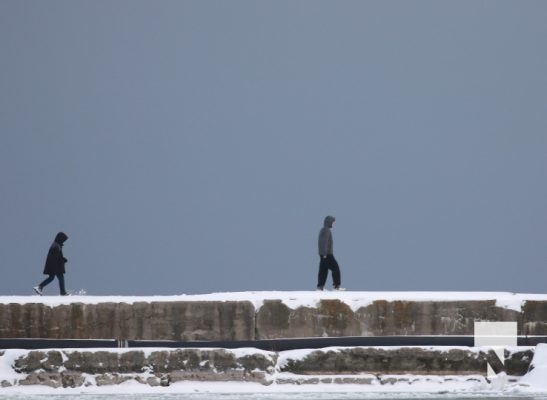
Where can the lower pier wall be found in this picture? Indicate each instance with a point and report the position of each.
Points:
(164, 367)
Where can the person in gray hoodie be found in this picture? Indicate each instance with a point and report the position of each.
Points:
(326, 255)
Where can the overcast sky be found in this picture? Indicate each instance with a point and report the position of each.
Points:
(196, 146)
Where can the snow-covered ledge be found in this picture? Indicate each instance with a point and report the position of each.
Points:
(348, 369)
(265, 315)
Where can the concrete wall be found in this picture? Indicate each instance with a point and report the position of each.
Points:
(238, 320)
(375, 366)
(229, 320)
(58, 368)
(383, 318)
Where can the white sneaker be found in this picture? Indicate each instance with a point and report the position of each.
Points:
(37, 290)
(341, 289)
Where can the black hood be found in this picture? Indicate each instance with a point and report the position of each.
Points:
(329, 220)
(61, 238)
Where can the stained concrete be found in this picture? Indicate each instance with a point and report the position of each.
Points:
(239, 320)
(207, 320)
(383, 318)
(409, 360)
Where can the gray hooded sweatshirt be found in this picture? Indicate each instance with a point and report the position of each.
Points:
(325, 237)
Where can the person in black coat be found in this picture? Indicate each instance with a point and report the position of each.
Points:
(55, 265)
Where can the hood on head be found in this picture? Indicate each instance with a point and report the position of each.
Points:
(61, 237)
(329, 220)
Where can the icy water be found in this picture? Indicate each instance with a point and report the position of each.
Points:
(258, 396)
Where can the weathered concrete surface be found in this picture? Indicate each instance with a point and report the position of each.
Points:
(360, 365)
(534, 319)
(56, 368)
(382, 318)
(239, 320)
(409, 360)
(212, 320)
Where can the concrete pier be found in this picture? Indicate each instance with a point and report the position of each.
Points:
(267, 315)
(263, 316)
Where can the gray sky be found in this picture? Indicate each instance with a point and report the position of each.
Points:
(196, 146)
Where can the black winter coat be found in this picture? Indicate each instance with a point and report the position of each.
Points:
(55, 261)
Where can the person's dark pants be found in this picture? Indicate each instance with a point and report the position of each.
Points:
(326, 264)
(50, 279)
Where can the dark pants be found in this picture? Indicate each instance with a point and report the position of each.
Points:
(328, 263)
(61, 279)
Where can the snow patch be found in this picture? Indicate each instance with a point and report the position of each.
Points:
(7, 363)
(293, 300)
(537, 376)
